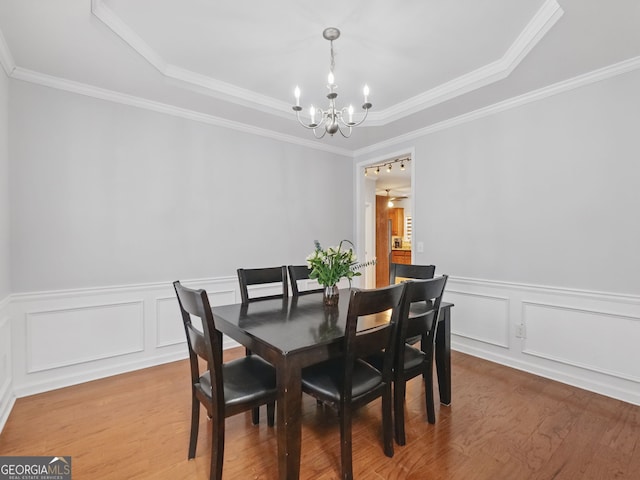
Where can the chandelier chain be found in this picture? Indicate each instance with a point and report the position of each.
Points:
(333, 59)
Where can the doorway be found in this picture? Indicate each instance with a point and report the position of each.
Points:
(385, 205)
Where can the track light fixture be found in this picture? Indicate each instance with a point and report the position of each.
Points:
(387, 165)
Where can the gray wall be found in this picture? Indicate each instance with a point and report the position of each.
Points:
(5, 287)
(107, 194)
(533, 212)
(546, 193)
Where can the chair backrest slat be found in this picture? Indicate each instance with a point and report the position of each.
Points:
(372, 341)
(297, 273)
(398, 271)
(198, 343)
(261, 276)
(430, 293)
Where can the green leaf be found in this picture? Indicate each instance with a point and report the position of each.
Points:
(330, 265)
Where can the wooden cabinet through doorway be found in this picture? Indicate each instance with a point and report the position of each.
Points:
(396, 215)
(401, 256)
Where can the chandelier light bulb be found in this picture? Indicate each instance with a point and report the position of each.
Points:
(365, 90)
(296, 94)
(312, 113)
(331, 79)
(350, 110)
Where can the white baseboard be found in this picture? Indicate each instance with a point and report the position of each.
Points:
(626, 393)
(62, 379)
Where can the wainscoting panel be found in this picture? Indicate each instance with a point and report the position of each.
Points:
(59, 338)
(586, 339)
(170, 328)
(5, 356)
(67, 337)
(7, 397)
(556, 332)
(480, 317)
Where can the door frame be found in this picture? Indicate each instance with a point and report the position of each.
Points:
(360, 204)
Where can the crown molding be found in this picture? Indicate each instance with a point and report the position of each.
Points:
(207, 85)
(6, 59)
(109, 95)
(535, 30)
(545, 18)
(228, 92)
(18, 73)
(138, 102)
(537, 27)
(111, 20)
(536, 95)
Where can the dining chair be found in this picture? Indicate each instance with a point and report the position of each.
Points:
(348, 382)
(297, 273)
(400, 271)
(262, 276)
(225, 389)
(425, 297)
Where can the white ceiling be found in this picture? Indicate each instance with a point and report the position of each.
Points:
(237, 63)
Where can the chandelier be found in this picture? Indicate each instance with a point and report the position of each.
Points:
(332, 120)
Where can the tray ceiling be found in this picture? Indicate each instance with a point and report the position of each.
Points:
(238, 62)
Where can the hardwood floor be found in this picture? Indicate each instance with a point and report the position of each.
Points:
(503, 424)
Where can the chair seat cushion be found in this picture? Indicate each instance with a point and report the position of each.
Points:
(413, 357)
(245, 379)
(326, 378)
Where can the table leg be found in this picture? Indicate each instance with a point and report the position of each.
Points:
(289, 424)
(443, 355)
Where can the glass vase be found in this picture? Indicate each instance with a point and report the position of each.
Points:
(331, 296)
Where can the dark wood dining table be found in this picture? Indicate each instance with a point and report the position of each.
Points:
(296, 332)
